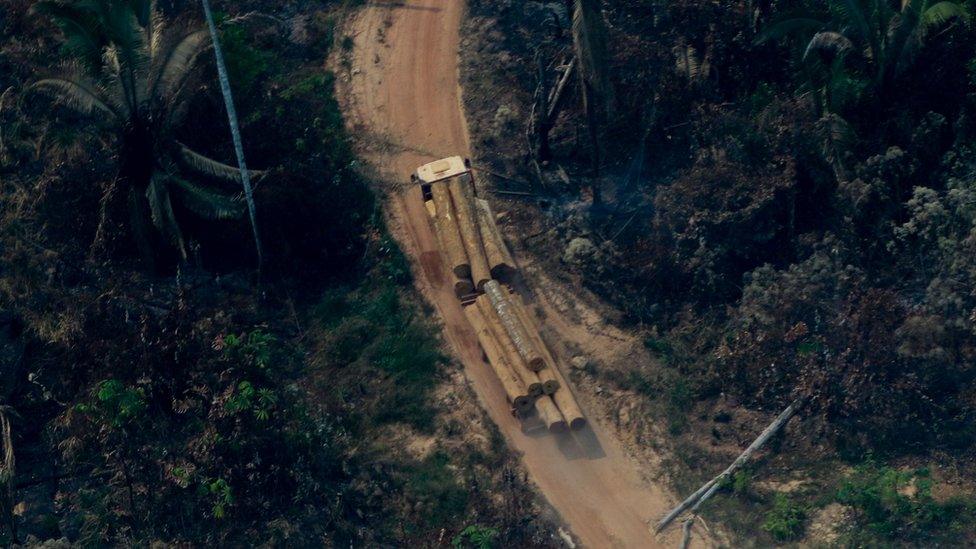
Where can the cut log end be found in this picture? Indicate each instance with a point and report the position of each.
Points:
(577, 423)
(462, 271)
(558, 426)
(550, 386)
(536, 363)
(523, 406)
(463, 287)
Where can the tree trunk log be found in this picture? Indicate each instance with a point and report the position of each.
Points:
(529, 378)
(550, 414)
(462, 193)
(514, 388)
(462, 286)
(500, 262)
(447, 225)
(701, 495)
(513, 325)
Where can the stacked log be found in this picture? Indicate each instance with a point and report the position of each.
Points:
(564, 396)
(513, 326)
(462, 286)
(550, 414)
(462, 193)
(529, 378)
(500, 261)
(515, 390)
(446, 225)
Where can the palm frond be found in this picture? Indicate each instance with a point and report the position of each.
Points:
(206, 203)
(172, 69)
(941, 13)
(837, 139)
(211, 167)
(77, 93)
(590, 46)
(161, 208)
(82, 30)
(829, 42)
(790, 26)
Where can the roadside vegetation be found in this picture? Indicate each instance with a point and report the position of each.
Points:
(155, 387)
(779, 196)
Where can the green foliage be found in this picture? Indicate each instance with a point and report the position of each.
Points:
(115, 403)
(660, 347)
(259, 401)
(476, 536)
(433, 482)
(785, 521)
(221, 496)
(741, 481)
(252, 349)
(372, 332)
(246, 64)
(898, 505)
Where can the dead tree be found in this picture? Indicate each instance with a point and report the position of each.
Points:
(695, 500)
(590, 48)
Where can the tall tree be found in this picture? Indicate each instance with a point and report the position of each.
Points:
(131, 74)
(592, 59)
(235, 131)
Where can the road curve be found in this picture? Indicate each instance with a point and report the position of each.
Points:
(403, 102)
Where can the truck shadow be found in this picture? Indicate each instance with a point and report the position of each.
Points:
(581, 444)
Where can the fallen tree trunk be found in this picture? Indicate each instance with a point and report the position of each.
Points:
(529, 378)
(563, 395)
(462, 286)
(462, 193)
(501, 265)
(708, 489)
(515, 390)
(513, 325)
(447, 226)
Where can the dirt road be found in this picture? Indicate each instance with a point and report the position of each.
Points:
(404, 94)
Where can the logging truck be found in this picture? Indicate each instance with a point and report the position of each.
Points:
(482, 271)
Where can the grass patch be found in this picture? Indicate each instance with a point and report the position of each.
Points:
(443, 501)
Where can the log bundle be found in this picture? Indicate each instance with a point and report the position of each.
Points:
(529, 377)
(473, 247)
(515, 390)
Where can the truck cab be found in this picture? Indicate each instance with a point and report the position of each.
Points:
(438, 170)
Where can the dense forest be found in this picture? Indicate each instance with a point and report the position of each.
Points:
(161, 381)
(779, 195)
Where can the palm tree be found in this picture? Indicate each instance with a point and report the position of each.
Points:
(873, 39)
(131, 74)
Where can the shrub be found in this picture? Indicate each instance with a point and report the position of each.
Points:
(477, 536)
(785, 521)
(898, 505)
